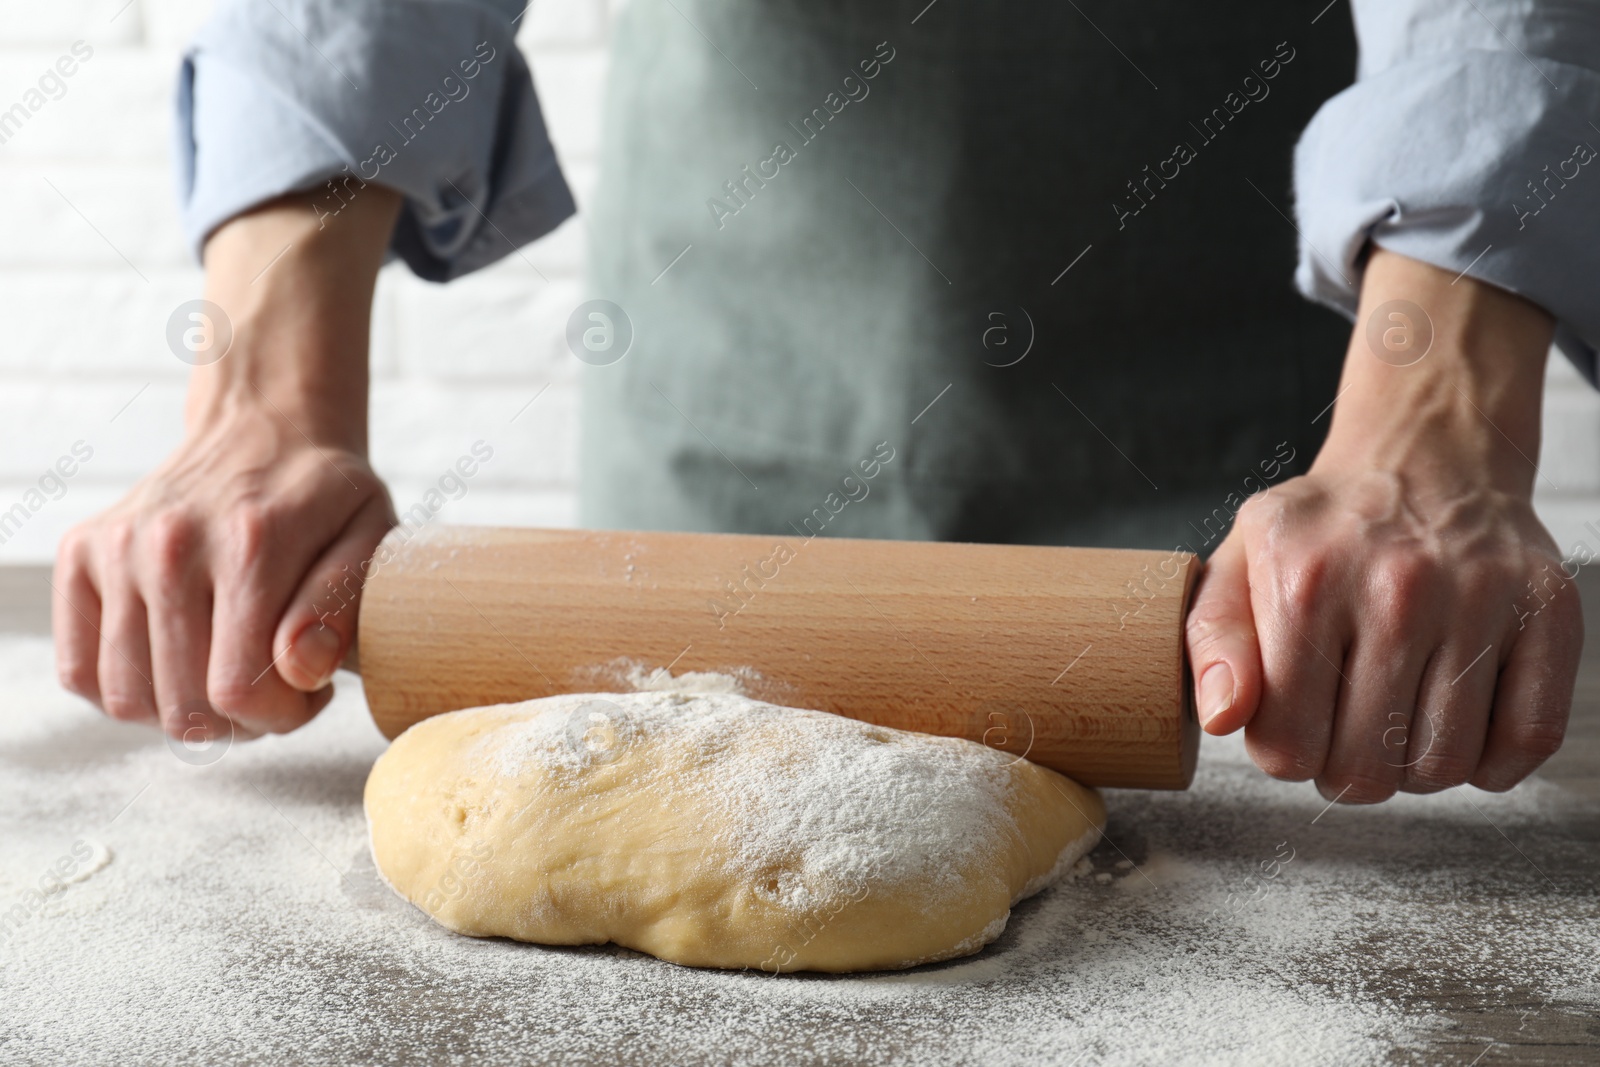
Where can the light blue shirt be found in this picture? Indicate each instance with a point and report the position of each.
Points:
(1460, 145)
(1468, 140)
(428, 97)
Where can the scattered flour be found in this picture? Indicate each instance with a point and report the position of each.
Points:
(242, 921)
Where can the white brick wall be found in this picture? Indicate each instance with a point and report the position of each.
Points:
(81, 332)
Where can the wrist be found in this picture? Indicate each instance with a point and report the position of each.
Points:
(1443, 380)
(297, 292)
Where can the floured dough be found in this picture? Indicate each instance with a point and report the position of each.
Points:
(718, 831)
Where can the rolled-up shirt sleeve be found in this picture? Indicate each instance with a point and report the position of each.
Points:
(1468, 141)
(428, 97)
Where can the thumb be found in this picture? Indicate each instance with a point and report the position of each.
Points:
(1221, 637)
(318, 627)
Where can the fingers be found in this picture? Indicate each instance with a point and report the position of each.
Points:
(1399, 604)
(1534, 695)
(177, 592)
(1220, 634)
(122, 657)
(319, 625)
(123, 663)
(75, 619)
(1303, 632)
(247, 571)
(1373, 721)
(1445, 739)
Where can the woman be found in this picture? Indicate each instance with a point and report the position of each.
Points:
(1032, 261)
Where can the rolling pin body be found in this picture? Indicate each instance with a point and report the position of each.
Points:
(1073, 657)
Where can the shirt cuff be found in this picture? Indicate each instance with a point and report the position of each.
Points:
(427, 97)
(1479, 162)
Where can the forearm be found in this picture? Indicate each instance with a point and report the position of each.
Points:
(1468, 410)
(298, 294)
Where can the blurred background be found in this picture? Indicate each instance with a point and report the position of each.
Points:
(92, 263)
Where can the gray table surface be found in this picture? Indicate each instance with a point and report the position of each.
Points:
(1519, 982)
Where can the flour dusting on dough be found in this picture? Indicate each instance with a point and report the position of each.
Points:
(818, 804)
(629, 674)
(830, 840)
(660, 680)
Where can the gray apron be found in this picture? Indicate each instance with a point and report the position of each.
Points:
(987, 274)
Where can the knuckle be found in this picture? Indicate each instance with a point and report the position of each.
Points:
(1257, 510)
(1302, 584)
(1358, 783)
(1209, 624)
(1434, 773)
(126, 707)
(1357, 790)
(1497, 779)
(249, 530)
(77, 676)
(260, 707)
(188, 721)
(170, 541)
(1404, 582)
(1517, 752)
(72, 548)
(1537, 740)
(238, 699)
(118, 536)
(1285, 760)
(1279, 516)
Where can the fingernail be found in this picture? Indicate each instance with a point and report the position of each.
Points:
(317, 649)
(1216, 692)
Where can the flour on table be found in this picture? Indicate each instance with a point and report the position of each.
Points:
(242, 919)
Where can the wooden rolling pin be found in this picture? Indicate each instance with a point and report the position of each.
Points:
(1071, 656)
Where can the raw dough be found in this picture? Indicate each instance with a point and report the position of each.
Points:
(718, 831)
